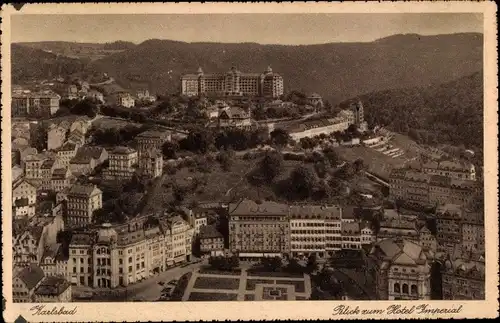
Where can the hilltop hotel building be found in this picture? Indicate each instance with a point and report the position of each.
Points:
(233, 83)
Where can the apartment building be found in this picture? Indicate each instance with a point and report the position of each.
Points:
(398, 227)
(28, 246)
(53, 290)
(451, 169)
(234, 117)
(402, 270)
(418, 188)
(87, 159)
(258, 230)
(151, 139)
(24, 199)
(32, 166)
(25, 283)
(233, 83)
(124, 99)
(473, 230)
(449, 227)
(151, 163)
(211, 241)
(56, 136)
(61, 179)
(351, 235)
(36, 104)
(66, 153)
(47, 168)
(54, 262)
(83, 200)
(464, 278)
(124, 254)
(122, 163)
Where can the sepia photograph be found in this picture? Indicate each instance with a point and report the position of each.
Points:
(248, 157)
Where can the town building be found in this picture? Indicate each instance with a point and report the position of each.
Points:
(36, 104)
(258, 230)
(72, 92)
(56, 136)
(152, 139)
(124, 99)
(151, 163)
(233, 84)
(28, 246)
(367, 234)
(47, 168)
(66, 153)
(87, 159)
(83, 200)
(473, 231)
(398, 227)
(25, 283)
(61, 179)
(452, 169)
(402, 270)
(24, 199)
(122, 163)
(315, 100)
(463, 278)
(53, 290)
(211, 241)
(234, 117)
(449, 227)
(54, 262)
(351, 235)
(95, 95)
(121, 255)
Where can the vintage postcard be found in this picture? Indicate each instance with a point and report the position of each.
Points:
(249, 161)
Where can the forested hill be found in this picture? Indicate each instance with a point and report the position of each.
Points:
(337, 71)
(451, 113)
(33, 63)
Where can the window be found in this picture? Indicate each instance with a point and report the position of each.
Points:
(405, 288)
(397, 288)
(129, 269)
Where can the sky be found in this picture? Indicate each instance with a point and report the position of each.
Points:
(286, 29)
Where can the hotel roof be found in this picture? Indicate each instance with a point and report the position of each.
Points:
(83, 190)
(315, 211)
(248, 207)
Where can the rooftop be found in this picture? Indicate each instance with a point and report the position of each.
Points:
(209, 231)
(52, 286)
(84, 190)
(31, 276)
(248, 207)
(122, 150)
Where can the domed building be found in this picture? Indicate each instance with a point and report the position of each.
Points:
(402, 270)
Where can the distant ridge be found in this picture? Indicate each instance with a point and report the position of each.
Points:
(336, 71)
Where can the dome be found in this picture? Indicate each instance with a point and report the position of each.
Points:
(106, 233)
(269, 69)
(448, 264)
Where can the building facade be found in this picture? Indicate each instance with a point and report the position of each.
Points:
(40, 104)
(258, 230)
(122, 163)
(151, 140)
(83, 200)
(402, 271)
(233, 84)
(151, 163)
(53, 290)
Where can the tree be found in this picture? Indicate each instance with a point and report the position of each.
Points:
(85, 107)
(280, 137)
(225, 160)
(271, 166)
(179, 193)
(321, 167)
(346, 172)
(272, 264)
(302, 182)
(169, 150)
(312, 263)
(358, 165)
(331, 155)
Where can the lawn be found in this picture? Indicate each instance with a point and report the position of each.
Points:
(235, 272)
(216, 283)
(299, 285)
(108, 123)
(195, 296)
(253, 272)
(251, 283)
(377, 162)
